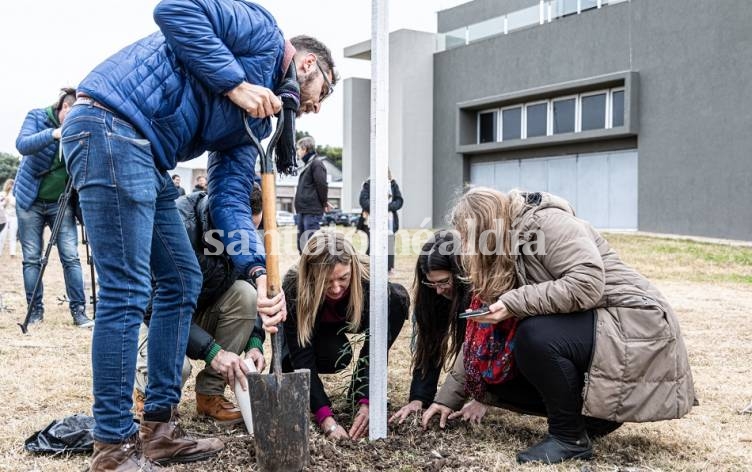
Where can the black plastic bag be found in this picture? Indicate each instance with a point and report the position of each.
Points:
(71, 434)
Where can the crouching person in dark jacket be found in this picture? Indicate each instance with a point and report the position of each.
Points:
(327, 297)
(224, 325)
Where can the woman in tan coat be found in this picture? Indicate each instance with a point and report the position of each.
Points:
(572, 332)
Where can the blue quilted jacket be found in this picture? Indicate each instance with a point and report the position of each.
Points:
(38, 148)
(171, 85)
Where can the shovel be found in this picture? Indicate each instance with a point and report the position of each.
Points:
(279, 401)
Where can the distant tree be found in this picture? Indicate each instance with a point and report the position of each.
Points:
(8, 166)
(334, 154)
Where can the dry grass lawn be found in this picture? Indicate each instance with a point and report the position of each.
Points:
(46, 376)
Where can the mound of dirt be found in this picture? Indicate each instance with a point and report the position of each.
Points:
(407, 447)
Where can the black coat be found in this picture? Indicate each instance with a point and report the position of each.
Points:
(304, 357)
(424, 383)
(312, 191)
(218, 271)
(394, 205)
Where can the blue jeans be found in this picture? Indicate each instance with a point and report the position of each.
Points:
(135, 231)
(307, 225)
(31, 225)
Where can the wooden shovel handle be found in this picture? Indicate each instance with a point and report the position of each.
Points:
(271, 246)
(271, 235)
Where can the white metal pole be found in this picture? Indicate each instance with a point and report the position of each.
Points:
(378, 218)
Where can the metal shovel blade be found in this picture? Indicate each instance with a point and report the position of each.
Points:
(280, 404)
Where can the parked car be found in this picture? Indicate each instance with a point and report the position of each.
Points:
(285, 218)
(354, 216)
(343, 219)
(331, 218)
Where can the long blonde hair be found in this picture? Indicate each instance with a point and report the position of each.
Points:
(322, 252)
(482, 217)
(7, 186)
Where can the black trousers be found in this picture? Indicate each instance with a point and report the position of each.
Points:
(390, 248)
(552, 353)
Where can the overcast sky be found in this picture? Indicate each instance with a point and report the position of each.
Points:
(48, 44)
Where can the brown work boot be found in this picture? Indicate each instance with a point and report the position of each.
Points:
(122, 457)
(167, 443)
(138, 402)
(218, 408)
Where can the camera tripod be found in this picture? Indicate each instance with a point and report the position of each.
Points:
(62, 205)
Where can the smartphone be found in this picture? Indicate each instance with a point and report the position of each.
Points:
(472, 314)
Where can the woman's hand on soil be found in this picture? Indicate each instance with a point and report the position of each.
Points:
(436, 408)
(336, 434)
(360, 423)
(473, 411)
(413, 407)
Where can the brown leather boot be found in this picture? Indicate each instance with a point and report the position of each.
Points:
(122, 457)
(167, 443)
(218, 408)
(138, 402)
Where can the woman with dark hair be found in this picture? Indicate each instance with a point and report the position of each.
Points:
(439, 295)
(570, 330)
(327, 297)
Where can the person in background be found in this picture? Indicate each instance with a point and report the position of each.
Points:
(395, 204)
(224, 326)
(201, 185)
(170, 97)
(3, 218)
(571, 331)
(440, 293)
(327, 298)
(40, 181)
(176, 181)
(8, 220)
(311, 192)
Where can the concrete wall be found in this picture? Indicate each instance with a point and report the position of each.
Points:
(410, 126)
(477, 11)
(411, 122)
(692, 56)
(356, 142)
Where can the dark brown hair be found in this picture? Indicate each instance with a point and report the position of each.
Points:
(439, 332)
(67, 95)
(313, 45)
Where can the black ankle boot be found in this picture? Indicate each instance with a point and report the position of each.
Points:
(553, 450)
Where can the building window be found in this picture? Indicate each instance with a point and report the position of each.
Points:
(511, 123)
(555, 115)
(487, 127)
(617, 108)
(593, 111)
(536, 119)
(564, 115)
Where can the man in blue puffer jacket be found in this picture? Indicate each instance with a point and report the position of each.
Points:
(167, 98)
(40, 181)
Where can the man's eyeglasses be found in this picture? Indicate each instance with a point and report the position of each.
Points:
(329, 88)
(443, 285)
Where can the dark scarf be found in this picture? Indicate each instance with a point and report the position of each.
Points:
(289, 92)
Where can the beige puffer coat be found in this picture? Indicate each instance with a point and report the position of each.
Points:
(640, 369)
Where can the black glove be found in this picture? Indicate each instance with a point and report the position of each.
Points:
(289, 92)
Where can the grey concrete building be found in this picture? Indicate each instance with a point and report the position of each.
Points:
(410, 124)
(637, 111)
